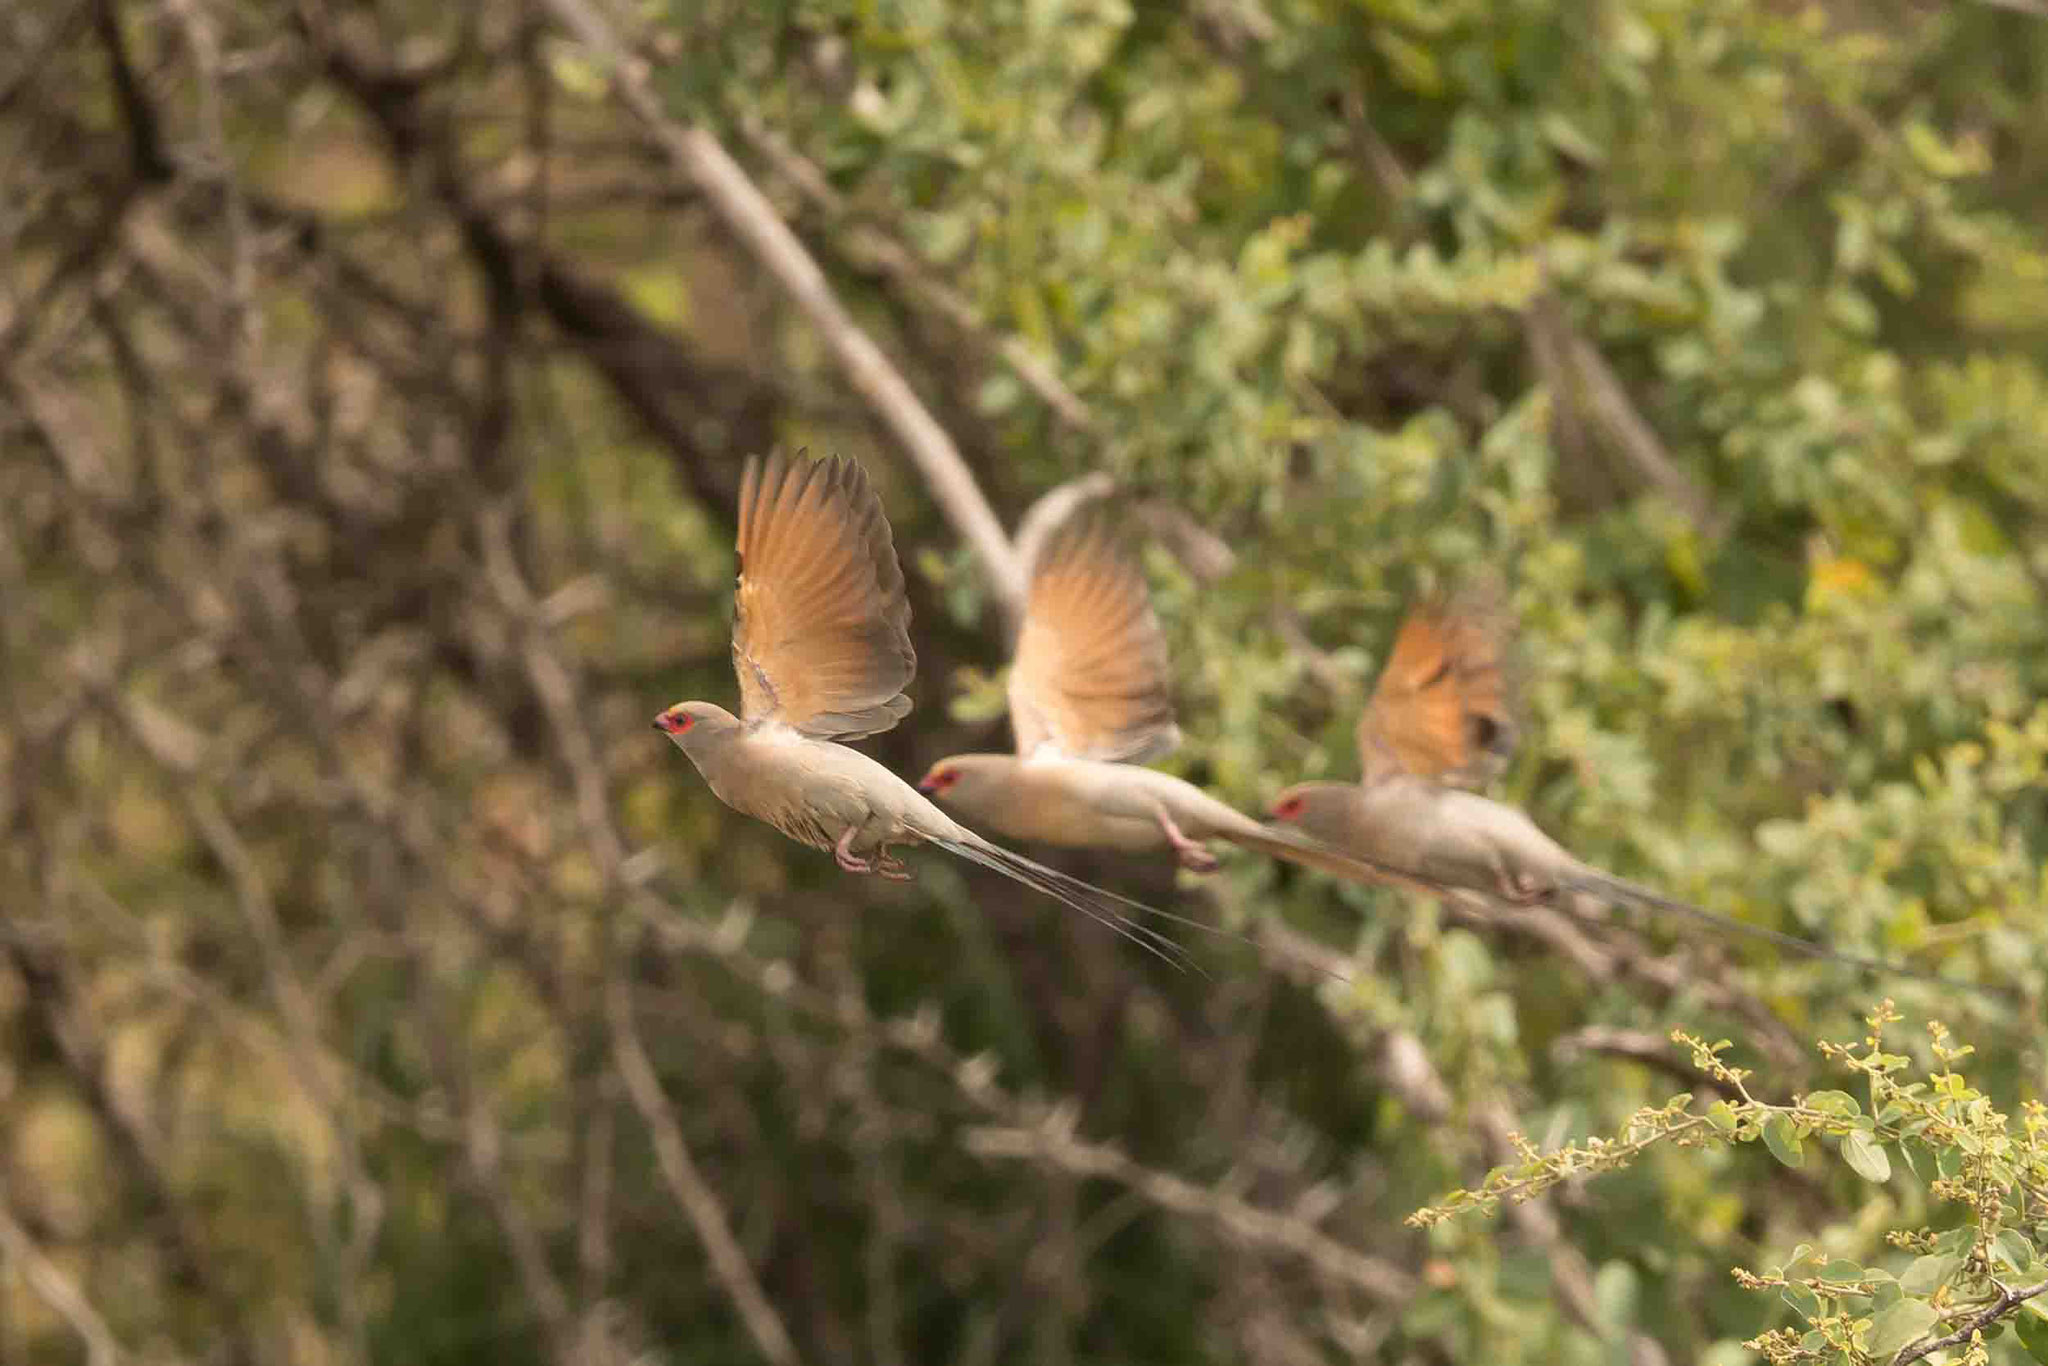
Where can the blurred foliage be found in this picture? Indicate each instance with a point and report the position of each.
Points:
(372, 399)
(1969, 1276)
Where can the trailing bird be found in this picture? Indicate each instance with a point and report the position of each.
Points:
(821, 647)
(1439, 723)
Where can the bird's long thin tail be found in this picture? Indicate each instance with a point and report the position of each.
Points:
(1283, 843)
(1105, 908)
(1595, 883)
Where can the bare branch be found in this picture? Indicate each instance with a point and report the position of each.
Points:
(699, 1203)
(56, 1289)
(2008, 1300)
(1646, 1046)
(749, 215)
(1563, 355)
(897, 262)
(1056, 1145)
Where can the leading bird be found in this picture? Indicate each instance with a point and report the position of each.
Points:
(821, 645)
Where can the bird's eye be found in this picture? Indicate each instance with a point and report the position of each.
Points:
(1288, 809)
(946, 779)
(683, 721)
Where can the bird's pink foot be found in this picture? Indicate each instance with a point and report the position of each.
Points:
(1521, 889)
(891, 867)
(1191, 854)
(843, 854)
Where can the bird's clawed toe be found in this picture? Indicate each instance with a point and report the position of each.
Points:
(1522, 889)
(843, 855)
(891, 867)
(1193, 855)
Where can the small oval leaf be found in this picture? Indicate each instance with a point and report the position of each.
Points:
(1928, 1274)
(2033, 1335)
(1899, 1325)
(1783, 1141)
(1833, 1103)
(1867, 1156)
(2012, 1248)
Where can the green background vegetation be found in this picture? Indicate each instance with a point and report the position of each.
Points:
(373, 389)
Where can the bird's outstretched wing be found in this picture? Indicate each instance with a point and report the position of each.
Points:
(1442, 709)
(822, 638)
(1090, 679)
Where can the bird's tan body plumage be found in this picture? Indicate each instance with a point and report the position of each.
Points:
(1086, 803)
(1440, 836)
(814, 791)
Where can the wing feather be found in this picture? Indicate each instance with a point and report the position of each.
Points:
(1091, 679)
(1443, 707)
(821, 642)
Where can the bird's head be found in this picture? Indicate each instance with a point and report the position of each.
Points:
(968, 783)
(1313, 808)
(691, 723)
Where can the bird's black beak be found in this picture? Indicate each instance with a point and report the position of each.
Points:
(927, 786)
(662, 724)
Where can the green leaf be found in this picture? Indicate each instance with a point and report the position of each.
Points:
(1928, 1274)
(1842, 1270)
(1802, 1300)
(1833, 1103)
(2012, 1248)
(1783, 1141)
(1721, 1115)
(2033, 1335)
(1899, 1325)
(1867, 1156)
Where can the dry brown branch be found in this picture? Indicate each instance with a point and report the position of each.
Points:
(49, 1284)
(2009, 1298)
(553, 681)
(686, 1183)
(896, 261)
(1054, 1143)
(1645, 1046)
(1576, 373)
(700, 157)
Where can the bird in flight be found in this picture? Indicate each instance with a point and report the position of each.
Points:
(1440, 723)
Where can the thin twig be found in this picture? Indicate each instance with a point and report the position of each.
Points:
(751, 218)
(1051, 1143)
(896, 261)
(1646, 1046)
(56, 1289)
(2008, 1299)
(555, 684)
(1564, 354)
(686, 1183)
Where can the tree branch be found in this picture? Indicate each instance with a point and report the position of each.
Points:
(2008, 1300)
(751, 218)
(56, 1289)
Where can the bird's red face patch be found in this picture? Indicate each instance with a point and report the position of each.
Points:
(675, 721)
(1287, 809)
(938, 780)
